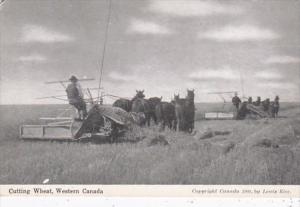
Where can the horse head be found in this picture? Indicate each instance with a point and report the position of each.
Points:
(140, 94)
(190, 96)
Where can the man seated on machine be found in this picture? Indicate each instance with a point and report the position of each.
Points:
(76, 98)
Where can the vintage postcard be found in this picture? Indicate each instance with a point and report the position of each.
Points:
(174, 98)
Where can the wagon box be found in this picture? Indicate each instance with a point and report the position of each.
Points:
(45, 132)
(218, 115)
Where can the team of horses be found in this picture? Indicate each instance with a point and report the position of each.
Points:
(271, 108)
(179, 114)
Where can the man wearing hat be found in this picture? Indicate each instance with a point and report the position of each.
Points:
(236, 103)
(75, 97)
(236, 100)
(276, 106)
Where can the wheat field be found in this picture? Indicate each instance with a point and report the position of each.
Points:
(265, 151)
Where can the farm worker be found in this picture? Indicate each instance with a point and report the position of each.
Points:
(75, 97)
(276, 106)
(236, 100)
(250, 100)
(266, 104)
(258, 101)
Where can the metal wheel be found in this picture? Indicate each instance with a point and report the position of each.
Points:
(76, 129)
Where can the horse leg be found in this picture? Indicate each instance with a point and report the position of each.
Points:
(154, 118)
(169, 123)
(181, 125)
(174, 124)
(148, 118)
(163, 124)
(192, 126)
(178, 125)
(143, 120)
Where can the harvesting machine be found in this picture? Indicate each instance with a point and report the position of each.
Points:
(101, 122)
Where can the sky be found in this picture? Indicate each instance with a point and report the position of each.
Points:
(163, 47)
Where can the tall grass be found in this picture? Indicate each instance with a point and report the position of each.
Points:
(238, 158)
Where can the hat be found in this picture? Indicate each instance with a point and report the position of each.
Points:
(73, 78)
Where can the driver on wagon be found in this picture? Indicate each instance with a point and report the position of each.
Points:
(75, 97)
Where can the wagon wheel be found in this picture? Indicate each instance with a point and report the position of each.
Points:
(76, 129)
(114, 132)
(109, 129)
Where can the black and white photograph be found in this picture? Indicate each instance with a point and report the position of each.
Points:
(150, 92)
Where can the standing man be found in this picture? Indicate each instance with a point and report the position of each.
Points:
(250, 100)
(76, 98)
(276, 106)
(236, 101)
(258, 101)
(266, 104)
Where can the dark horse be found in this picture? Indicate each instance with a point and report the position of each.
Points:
(185, 112)
(165, 113)
(141, 105)
(153, 102)
(123, 104)
(190, 110)
(266, 105)
(179, 112)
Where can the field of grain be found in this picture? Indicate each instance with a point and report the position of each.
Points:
(265, 151)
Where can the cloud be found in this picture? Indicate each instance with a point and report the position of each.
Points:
(1, 4)
(268, 75)
(33, 58)
(146, 27)
(282, 59)
(277, 85)
(183, 8)
(225, 73)
(239, 33)
(35, 33)
(116, 76)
